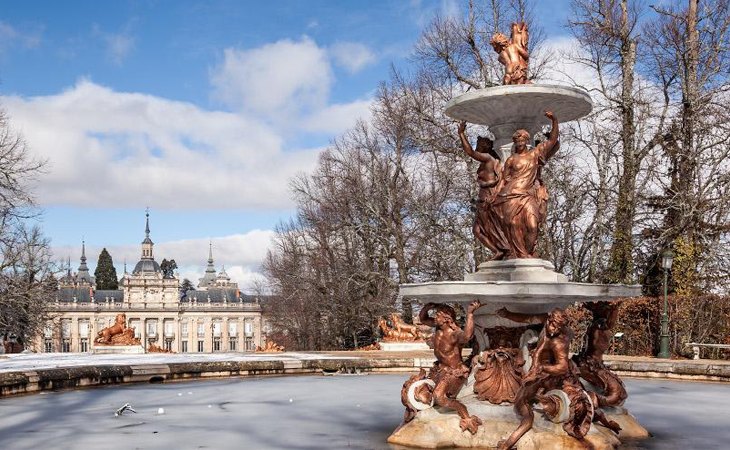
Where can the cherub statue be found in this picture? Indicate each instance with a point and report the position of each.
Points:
(513, 54)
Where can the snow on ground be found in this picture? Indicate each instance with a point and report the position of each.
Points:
(34, 361)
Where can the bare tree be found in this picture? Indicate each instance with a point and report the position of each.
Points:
(26, 279)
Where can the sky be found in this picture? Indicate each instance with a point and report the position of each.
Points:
(200, 110)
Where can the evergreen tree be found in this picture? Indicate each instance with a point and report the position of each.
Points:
(186, 286)
(105, 273)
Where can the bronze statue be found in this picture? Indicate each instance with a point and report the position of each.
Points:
(449, 372)
(513, 54)
(413, 330)
(550, 365)
(117, 334)
(521, 204)
(400, 331)
(486, 227)
(552, 369)
(590, 360)
(269, 347)
(153, 348)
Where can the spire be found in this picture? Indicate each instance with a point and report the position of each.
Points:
(147, 224)
(83, 274)
(147, 244)
(125, 266)
(211, 267)
(68, 267)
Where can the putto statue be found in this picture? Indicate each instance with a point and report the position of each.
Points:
(513, 54)
(117, 334)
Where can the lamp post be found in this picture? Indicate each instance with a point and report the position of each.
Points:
(667, 258)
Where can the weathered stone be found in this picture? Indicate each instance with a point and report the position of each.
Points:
(439, 428)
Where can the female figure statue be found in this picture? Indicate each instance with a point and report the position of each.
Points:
(521, 204)
(486, 226)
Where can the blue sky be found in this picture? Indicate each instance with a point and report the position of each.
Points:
(200, 110)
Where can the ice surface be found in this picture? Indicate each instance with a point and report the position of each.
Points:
(330, 412)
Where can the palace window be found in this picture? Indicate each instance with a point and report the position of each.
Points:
(232, 329)
(48, 346)
(84, 345)
(168, 344)
(66, 345)
(66, 329)
(248, 328)
(184, 329)
(151, 328)
(232, 344)
(201, 328)
(200, 346)
(184, 348)
(84, 330)
(216, 344)
(249, 344)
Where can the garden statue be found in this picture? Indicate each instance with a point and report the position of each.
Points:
(117, 334)
(513, 54)
(449, 372)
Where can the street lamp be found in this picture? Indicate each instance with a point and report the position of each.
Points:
(667, 258)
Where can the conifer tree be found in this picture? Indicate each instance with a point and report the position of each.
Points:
(105, 273)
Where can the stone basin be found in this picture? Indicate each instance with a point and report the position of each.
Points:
(505, 109)
(529, 286)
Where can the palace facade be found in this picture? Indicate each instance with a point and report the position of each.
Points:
(215, 317)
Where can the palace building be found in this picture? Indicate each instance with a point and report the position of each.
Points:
(215, 317)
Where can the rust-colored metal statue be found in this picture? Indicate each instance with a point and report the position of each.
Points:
(414, 330)
(486, 228)
(550, 366)
(153, 348)
(117, 334)
(590, 361)
(498, 375)
(521, 204)
(513, 54)
(269, 347)
(552, 380)
(449, 372)
(400, 331)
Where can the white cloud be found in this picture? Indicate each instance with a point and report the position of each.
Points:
(283, 78)
(337, 118)
(11, 36)
(352, 56)
(126, 149)
(118, 47)
(241, 254)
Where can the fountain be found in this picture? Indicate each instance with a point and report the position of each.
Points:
(516, 300)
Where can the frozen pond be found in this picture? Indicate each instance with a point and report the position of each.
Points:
(302, 412)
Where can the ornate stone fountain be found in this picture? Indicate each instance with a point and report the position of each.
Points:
(515, 300)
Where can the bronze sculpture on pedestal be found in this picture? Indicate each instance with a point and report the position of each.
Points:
(590, 361)
(486, 226)
(512, 204)
(449, 372)
(117, 334)
(513, 53)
